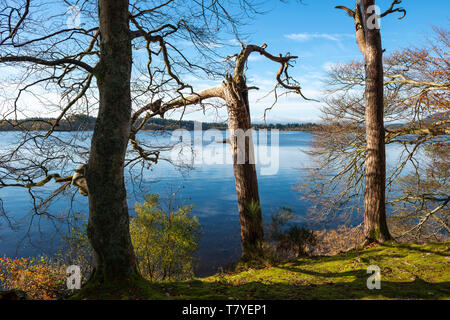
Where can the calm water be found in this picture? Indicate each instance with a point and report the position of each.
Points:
(209, 186)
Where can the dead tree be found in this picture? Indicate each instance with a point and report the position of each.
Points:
(368, 38)
(234, 92)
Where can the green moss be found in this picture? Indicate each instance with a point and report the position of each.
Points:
(408, 271)
(133, 288)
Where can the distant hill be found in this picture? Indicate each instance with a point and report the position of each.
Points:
(82, 122)
(438, 116)
(430, 121)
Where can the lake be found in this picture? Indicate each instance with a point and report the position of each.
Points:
(209, 185)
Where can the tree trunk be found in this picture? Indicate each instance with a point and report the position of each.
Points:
(375, 226)
(252, 235)
(108, 227)
(235, 93)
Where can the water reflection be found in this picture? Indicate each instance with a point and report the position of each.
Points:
(209, 186)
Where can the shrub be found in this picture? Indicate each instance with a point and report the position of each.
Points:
(39, 278)
(76, 248)
(340, 239)
(296, 241)
(289, 242)
(164, 239)
(344, 238)
(45, 278)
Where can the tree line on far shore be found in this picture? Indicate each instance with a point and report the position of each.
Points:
(82, 122)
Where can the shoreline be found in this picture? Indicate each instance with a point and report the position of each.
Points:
(151, 130)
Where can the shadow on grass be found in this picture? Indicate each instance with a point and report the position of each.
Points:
(293, 280)
(371, 254)
(364, 256)
(408, 246)
(356, 289)
(353, 273)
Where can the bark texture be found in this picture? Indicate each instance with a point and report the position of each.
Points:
(368, 38)
(239, 124)
(108, 227)
(234, 91)
(375, 225)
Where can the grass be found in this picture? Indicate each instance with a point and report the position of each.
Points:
(408, 271)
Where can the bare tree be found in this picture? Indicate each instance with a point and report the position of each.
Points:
(369, 41)
(416, 91)
(234, 91)
(91, 66)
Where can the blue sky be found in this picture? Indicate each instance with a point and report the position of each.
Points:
(321, 35)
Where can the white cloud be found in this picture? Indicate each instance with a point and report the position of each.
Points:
(303, 37)
(256, 57)
(328, 66)
(234, 42)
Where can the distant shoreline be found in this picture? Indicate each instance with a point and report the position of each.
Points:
(84, 123)
(154, 130)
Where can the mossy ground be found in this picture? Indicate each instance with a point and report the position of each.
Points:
(408, 271)
(134, 288)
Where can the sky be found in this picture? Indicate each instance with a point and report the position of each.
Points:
(321, 36)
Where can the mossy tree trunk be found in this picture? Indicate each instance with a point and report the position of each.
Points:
(234, 91)
(239, 125)
(108, 227)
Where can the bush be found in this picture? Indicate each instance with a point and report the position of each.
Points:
(341, 239)
(164, 239)
(39, 278)
(45, 278)
(295, 241)
(76, 248)
(287, 242)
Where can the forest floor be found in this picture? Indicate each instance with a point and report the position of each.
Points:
(408, 271)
